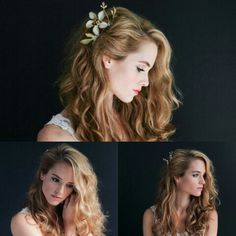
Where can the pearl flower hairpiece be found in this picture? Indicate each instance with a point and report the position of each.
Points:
(96, 22)
(169, 158)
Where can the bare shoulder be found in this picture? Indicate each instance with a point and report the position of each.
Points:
(148, 221)
(212, 224)
(53, 133)
(23, 225)
(148, 215)
(213, 215)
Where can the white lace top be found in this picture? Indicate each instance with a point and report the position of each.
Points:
(153, 208)
(64, 123)
(25, 210)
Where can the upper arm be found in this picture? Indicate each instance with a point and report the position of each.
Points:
(148, 220)
(212, 224)
(24, 225)
(53, 133)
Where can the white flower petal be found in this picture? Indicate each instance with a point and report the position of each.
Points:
(89, 24)
(103, 25)
(89, 35)
(92, 15)
(86, 41)
(101, 15)
(96, 30)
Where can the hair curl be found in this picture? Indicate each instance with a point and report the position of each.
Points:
(89, 217)
(84, 87)
(199, 208)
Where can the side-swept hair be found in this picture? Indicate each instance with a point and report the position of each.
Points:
(199, 208)
(84, 86)
(88, 214)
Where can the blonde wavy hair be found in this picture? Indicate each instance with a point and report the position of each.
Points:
(89, 217)
(84, 86)
(199, 208)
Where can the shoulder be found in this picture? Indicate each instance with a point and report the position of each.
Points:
(148, 221)
(213, 215)
(213, 218)
(212, 224)
(22, 224)
(53, 133)
(148, 215)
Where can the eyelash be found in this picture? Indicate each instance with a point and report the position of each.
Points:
(54, 179)
(70, 186)
(139, 69)
(197, 175)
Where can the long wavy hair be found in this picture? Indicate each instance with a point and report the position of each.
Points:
(84, 86)
(199, 208)
(89, 217)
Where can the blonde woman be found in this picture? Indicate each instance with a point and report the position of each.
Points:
(63, 199)
(186, 203)
(117, 84)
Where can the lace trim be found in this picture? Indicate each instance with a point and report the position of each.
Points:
(62, 122)
(25, 210)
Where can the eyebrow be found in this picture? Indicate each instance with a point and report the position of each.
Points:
(61, 178)
(197, 171)
(145, 62)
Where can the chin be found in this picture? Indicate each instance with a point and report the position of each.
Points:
(54, 203)
(197, 194)
(126, 100)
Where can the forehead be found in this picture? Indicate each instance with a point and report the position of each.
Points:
(147, 51)
(63, 170)
(197, 165)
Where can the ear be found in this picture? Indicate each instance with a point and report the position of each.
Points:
(106, 61)
(42, 176)
(177, 179)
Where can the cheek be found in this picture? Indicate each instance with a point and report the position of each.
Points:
(47, 187)
(188, 184)
(122, 76)
(68, 193)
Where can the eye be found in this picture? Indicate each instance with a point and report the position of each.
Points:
(139, 69)
(195, 175)
(54, 179)
(70, 186)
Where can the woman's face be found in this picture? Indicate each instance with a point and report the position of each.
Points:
(128, 76)
(57, 184)
(193, 180)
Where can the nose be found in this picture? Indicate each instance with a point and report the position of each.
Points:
(145, 81)
(60, 189)
(202, 180)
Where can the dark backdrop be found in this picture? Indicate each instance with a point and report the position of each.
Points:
(202, 34)
(19, 162)
(139, 175)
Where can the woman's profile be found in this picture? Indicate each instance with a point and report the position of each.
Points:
(186, 202)
(117, 84)
(63, 199)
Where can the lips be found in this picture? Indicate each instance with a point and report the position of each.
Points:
(137, 91)
(56, 197)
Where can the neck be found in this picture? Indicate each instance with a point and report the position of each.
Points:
(182, 202)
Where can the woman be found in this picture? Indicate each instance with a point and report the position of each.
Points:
(63, 200)
(186, 203)
(117, 84)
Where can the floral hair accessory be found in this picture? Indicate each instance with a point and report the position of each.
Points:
(169, 158)
(96, 21)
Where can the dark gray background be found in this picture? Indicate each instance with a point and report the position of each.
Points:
(202, 34)
(19, 162)
(139, 175)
